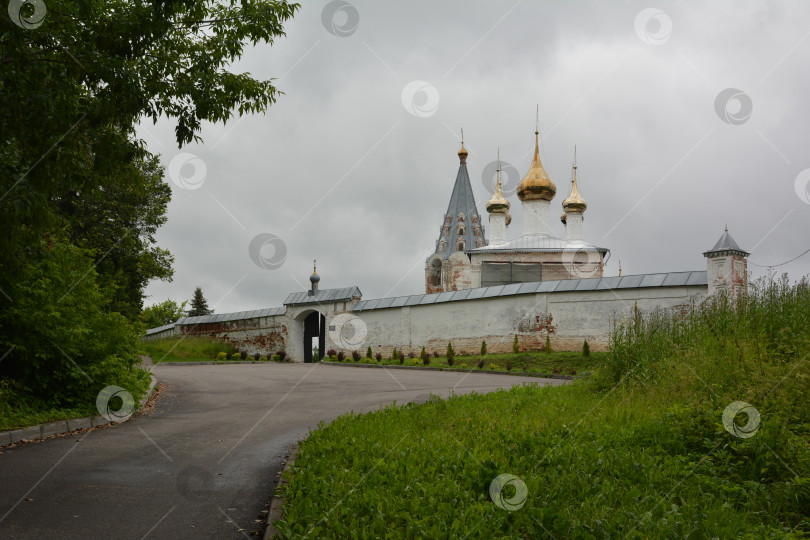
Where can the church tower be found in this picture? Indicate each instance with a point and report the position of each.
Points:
(461, 230)
(574, 209)
(498, 209)
(535, 192)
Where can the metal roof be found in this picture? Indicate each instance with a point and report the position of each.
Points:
(671, 279)
(160, 329)
(726, 243)
(461, 201)
(538, 242)
(322, 296)
(235, 316)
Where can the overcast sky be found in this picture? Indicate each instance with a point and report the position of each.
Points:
(355, 164)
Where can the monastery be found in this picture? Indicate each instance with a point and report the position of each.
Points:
(481, 288)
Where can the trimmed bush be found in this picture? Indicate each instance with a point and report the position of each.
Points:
(484, 348)
(586, 349)
(547, 348)
(340, 356)
(355, 356)
(222, 356)
(415, 361)
(243, 355)
(368, 352)
(276, 358)
(262, 359)
(395, 355)
(379, 357)
(480, 364)
(331, 352)
(515, 345)
(450, 356)
(282, 355)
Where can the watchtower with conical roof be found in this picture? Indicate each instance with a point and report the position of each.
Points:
(727, 267)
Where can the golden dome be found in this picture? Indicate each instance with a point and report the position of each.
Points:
(462, 154)
(574, 202)
(536, 185)
(498, 203)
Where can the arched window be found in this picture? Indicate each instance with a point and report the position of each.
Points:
(461, 230)
(461, 217)
(435, 276)
(461, 245)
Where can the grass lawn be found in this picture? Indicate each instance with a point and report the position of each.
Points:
(562, 363)
(641, 449)
(186, 349)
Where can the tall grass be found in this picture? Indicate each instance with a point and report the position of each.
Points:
(771, 324)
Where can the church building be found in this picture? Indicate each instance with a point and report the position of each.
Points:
(465, 259)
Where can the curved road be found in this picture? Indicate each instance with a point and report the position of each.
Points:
(203, 463)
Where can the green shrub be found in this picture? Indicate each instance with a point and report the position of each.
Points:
(547, 348)
(508, 365)
(368, 352)
(379, 357)
(340, 356)
(355, 356)
(483, 348)
(262, 359)
(480, 364)
(515, 345)
(586, 349)
(450, 355)
(395, 355)
(222, 356)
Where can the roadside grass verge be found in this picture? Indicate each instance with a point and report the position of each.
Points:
(186, 349)
(556, 362)
(639, 450)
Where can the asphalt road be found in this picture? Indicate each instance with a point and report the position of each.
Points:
(204, 462)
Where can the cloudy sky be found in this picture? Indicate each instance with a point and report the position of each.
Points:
(686, 116)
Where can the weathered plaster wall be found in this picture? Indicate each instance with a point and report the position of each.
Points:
(568, 317)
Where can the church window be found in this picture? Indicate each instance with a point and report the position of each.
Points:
(461, 245)
(461, 217)
(461, 230)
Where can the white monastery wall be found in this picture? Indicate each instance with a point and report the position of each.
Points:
(567, 317)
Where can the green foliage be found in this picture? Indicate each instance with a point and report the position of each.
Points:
(368, 352)
(586, 349)
(379, 357)
(340, 356)
(162, 314)
(483, 348)
(199, 305)
(515, 345)
(187, 348)
(646, 457)
(276, 358)
(395, 355)
(262, 359)
(547, 348)
(450, 356)
(62, 344)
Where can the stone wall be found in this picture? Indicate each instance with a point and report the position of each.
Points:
(567, 317)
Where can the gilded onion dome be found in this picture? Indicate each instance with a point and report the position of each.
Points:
(498, 203)
(574, 202)
(536, 185)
